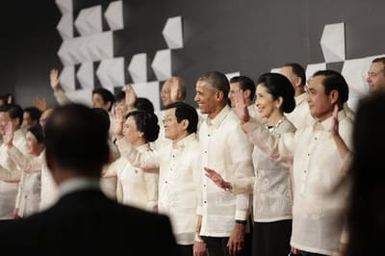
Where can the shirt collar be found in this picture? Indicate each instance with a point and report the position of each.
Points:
(327, 123)
(300, 98)
(180, 145)
(143, 147)
(79, 183)
(18, 133)
(217, 120)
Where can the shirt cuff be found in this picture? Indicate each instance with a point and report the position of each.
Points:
(241, 215)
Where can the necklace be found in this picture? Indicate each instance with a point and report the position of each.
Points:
(274, 127)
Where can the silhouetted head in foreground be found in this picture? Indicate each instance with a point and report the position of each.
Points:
(76, 143)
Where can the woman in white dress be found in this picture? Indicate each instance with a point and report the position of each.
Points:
(28, 195)
(271, 186)
(135, 187)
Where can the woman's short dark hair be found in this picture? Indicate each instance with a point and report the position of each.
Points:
(147, 123)
(106, 95)
(144, 104)
(38, 132)
(34, 113)
(279, 86)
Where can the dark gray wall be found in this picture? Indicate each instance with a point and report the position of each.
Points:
(250, 36)
(28, 48)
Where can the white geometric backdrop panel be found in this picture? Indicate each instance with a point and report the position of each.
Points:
(95, 45)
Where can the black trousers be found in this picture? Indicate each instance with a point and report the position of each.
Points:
(217, 246)
(271, 238)
(185, 250)
(310, 254)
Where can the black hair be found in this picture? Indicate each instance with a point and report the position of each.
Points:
(14, 111)
(34, 113)
(144, 104)
(38, 132)
(279, 86)
(106, 95)
(147, 123)
(298, 70)
(218, 81)
(334, 81)
(184, 111)
(76, 139)
(245, 83)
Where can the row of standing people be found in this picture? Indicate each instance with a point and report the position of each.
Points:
(223, 213)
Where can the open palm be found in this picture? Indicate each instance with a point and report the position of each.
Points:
(241, 107)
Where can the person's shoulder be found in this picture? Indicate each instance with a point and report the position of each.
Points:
(288, 126)
(142, 215)
(150, 226)
(345, 123)
(129, 215)
(231, 121)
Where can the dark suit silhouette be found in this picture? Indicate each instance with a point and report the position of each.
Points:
(86, 222)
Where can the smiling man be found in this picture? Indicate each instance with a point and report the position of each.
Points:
(225, 148)
(376, 75)
(321, 186)
(179, 173)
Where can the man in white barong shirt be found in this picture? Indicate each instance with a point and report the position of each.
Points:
(225, 148)
(179, 173)
(321, 185)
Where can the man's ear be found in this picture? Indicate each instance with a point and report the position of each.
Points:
(179, 95)
(279, 101)
(246, 94)
(334, 96)
(219, 95)
(185, 124)
(297, 82)
(16, 123)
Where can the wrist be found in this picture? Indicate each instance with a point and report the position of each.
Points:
(197, 237)
(228, 187)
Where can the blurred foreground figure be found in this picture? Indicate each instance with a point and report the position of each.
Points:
(84, 221)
